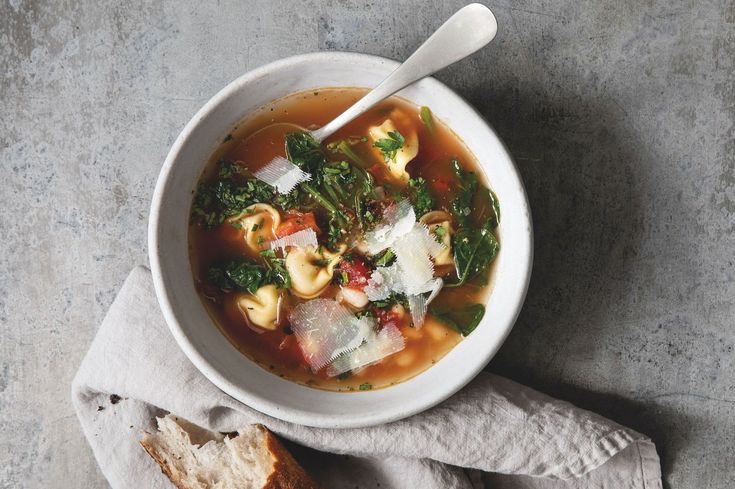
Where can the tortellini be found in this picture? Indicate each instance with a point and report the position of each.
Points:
(311, 269)
(259, 223)
(440, 225)
(262, 307)
(396, 167)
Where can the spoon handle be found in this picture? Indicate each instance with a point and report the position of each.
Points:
(471, 28)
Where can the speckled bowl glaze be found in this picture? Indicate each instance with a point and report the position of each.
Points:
(219, 360)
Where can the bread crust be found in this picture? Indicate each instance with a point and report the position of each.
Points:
(287, 473)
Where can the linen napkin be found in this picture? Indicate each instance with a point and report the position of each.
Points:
(493, 433)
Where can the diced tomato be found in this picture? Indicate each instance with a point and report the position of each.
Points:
(357, 272)
(296, 221)
(388, 316)
(440, 186)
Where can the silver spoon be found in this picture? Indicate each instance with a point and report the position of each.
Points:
(465, 32)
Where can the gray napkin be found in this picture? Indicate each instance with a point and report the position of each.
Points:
(517, 437)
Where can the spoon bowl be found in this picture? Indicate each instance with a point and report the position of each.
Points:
(469, 29)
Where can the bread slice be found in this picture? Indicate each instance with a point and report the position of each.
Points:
(195, 458)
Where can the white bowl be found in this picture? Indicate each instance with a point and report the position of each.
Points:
(229, 369)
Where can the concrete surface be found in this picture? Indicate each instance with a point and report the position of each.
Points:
(621, 117)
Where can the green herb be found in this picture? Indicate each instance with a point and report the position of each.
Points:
(427, 118)
(334, 231)
(385, 259)
(420, 196)
(474, 250)
(464, 320)
(365, 386)
(344, 147)
(440, 231)
(466, 185)
(345, 278)
(226, 169)
(269, 254)
(389, 146)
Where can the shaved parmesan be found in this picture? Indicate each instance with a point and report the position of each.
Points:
(376, 347)
(282, 174)
(414, 262)
(383, 281)
(417, 307)
(325, 329)
(300, 239)
(398, 219)
(418, 303)
(432, 246)
(436, 286)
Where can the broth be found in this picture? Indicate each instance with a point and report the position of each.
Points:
(279, 350)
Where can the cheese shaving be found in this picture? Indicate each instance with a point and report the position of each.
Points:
(418, 303)
(325, 329)
(417, 307)
(382, 282)
(398, 220)
(377, 346)
(282, 174)
(300, 239)
(414, 261)
(432, 246)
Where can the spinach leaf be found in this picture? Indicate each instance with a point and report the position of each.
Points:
(420, 196)
(305, 152)
(464, 320)
(244, 275)
(229, 196)
(339, 187)
(474, 250)
(466, 185)
(487, 207)
(389, 146)
(239, 275)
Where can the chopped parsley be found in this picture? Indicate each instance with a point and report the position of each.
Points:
(420, 196)
(389, 146)
(365, 386)
(439, 231)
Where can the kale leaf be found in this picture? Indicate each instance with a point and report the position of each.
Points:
(464, 320)
(389, 146)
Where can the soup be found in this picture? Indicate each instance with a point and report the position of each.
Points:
(348, 265)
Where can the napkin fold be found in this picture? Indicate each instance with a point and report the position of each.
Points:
(494, 433)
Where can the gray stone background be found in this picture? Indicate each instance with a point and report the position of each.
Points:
(620, 114)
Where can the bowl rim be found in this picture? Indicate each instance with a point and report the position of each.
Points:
(240, 393)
